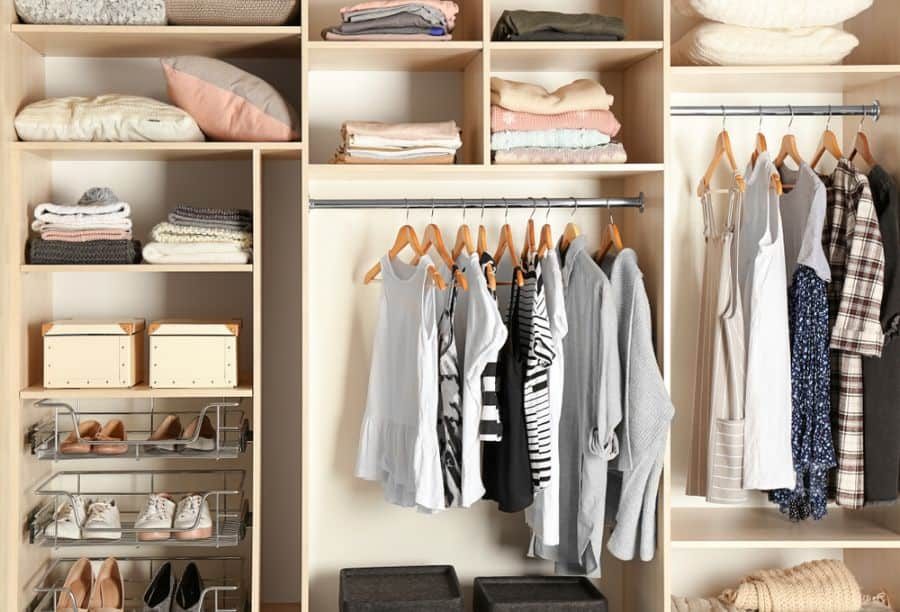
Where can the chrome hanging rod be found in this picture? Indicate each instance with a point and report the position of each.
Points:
(797, 110)
(477, 203)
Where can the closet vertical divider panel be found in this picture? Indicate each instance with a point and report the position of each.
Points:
(256, 544)
(305, 323)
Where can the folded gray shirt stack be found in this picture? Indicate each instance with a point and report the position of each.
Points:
(220, 218)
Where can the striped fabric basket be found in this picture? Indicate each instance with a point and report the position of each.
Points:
(232, 12)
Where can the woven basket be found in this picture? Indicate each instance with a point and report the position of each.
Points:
(232, 12)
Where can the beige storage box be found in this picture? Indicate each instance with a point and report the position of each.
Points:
(190, 354)
(93, 354)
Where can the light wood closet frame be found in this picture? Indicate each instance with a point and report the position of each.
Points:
(344, 522)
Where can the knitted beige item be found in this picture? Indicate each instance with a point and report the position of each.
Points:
(701, 604)
(824, 586)
(168, 232)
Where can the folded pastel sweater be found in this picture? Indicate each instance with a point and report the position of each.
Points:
(366, 141)
(443, 130)
(195, 253)
(449, 9)
(582, 94)
(167, 232)
(513, 25)
(612, 153)
(349, 158)
(399, 20)
(94, 252)
(567, 139)
(603, 120)
(86, 235)
(225, 218)
(408, 153)
(432, 15)
(328, 35)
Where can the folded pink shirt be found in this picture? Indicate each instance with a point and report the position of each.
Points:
(449, 9)
(603, 120)
(404, 131)
(87, 235)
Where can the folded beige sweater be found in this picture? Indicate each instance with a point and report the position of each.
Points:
(580, 95)
(826, 585)
(443, 130)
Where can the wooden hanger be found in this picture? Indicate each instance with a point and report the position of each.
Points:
(789, 146)
(482, 248)
(861, 146)
(571, 232)
(530, 241)
(546, 243)
(723, 150)
(434, 238)
(463, 239)
(507, 245)
(610, 238)
(761, 144)
(406, 236)
(829, 143)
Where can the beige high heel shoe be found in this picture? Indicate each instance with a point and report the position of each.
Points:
(169, 430)
(113, 431)
(77, 587)
(72, 445)
(109, 589)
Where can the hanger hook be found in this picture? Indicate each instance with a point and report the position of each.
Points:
(791, 122)
(432, 209)
(759, 127)
(609, 210)
(506, 212)
(575, 207)
(406, 200)
(547, 217)
(482, 209)
(724, 116)
(533, 207)
(862, 119)
(828, 122)
(464, 207)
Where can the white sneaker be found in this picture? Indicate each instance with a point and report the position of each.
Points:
(103, 521)
(157, 514)
(192, 517)
(67, 519)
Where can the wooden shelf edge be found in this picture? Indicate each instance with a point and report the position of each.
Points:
(139, 268)
(332, 172)
(784, 544)
(157, 150)
(137, 392)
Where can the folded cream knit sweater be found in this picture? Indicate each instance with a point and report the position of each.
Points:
(825, 585)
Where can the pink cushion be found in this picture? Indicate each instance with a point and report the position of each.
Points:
(227, 102)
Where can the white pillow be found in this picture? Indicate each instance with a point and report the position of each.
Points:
(783, 14)
(111, 118)
(718, 44)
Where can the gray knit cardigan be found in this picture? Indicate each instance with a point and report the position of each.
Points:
(647, 411)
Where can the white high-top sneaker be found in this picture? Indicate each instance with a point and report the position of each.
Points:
(103, 521)
(158, 513)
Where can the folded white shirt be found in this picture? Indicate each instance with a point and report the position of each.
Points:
(195, 253)
(400, 153)
(378, 142)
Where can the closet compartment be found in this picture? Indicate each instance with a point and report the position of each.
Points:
(706, 573)
(643, 18)
(93, 353)
(632, 74)
(326, 13)
(60, 427)
(221, 490)
(874, 27)
(395, 88)
(193, 354)
(223, 589)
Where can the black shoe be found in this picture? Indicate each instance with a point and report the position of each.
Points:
(190, 588)
(158, 596)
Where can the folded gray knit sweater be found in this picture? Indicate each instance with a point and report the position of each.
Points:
(221, 218)
(60, 252)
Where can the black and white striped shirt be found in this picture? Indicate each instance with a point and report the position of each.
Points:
(489, 429)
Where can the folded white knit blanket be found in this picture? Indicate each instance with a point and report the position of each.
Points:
(168, 232)
(114, 209)
(195, 253)
(69, 223)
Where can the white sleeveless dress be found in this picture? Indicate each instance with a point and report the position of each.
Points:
(398, 444)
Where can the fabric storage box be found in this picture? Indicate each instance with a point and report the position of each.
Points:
(190, 354)
(93, 354)
(388, 589)
(534, 594)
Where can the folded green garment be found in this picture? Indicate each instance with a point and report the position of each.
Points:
(59, 252)
(554, 36)
(525, 23)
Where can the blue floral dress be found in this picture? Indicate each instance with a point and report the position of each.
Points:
(811, 441)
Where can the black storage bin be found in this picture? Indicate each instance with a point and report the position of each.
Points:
(432, 588)
(540, 593)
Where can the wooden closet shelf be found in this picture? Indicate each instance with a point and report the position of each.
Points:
(449, 56)
(158, 151)
(140, 268)
(783, 79)
(476, 172)
(245, 389)
(739, 528)
(571, 57)
(160, 41)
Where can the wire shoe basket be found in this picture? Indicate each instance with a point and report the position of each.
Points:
(222, 490)
(232, 432)
(222, 582)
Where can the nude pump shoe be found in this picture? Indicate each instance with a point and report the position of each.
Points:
(78, 586)
(109, 589)
(80, 443)
(113, 431)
